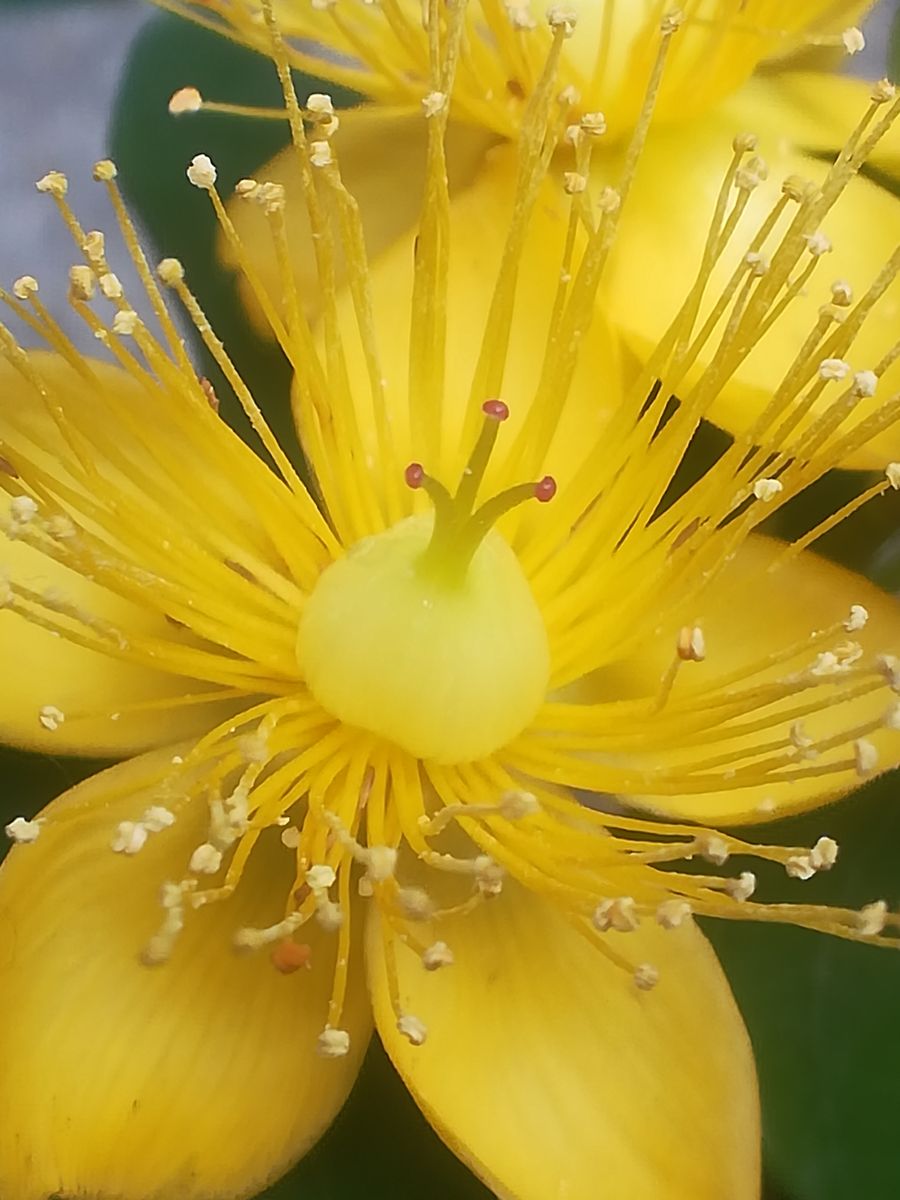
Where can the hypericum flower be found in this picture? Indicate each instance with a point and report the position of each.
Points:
(411, 723)
(606, 53)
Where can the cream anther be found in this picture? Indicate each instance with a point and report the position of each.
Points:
(609, 201)
(834, 369)
(569, 96)
(53, 182)
(574, 135)
(185, 100)
(105, 171)
(94, 246)
(574, 183)
(826, 663)
(818, 243)
(744, 143)
(516, 805)
(364, 887)
(130, 837)
(170, 271)
(892, 717)
(857, 618)
(414, 903)
(434, 103)
(110, 286)
(619, 913)
(671, 21)
(328, 914)
(249, 938)
(320, 154)
(51, 717)
(436, 956)
(767, 489)
(381, 862)
(892, 472)
(25, 287)
(22, 831)
(205, 860)
(81, 282)
(884, 91)
(333, 1043)
(800, 866)
(246, 188)
(748, 177)
(412, 1029)
(562, 19)
(757, 262)
(673, 913)
(594, 124)
(713, 848)
(519, 16)
(646, 977)
(853, 40)
(125, 322)
(865, 757)
(290, 837)
(865, 384)
(795, 187)
(156, 818)
(801, 741)
(889, 666)
(824, 854)
(159, 948)
(320, 877)
(489, 875)
(202, 173)
(320, 104)
(742, 888)
(23, 509)
(841, 293)
(871, 920)
(691, 644)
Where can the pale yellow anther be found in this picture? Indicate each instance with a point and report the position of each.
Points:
(412, 1029)
(110, 286)
(329, 915)
(434, 103)
(752, 174)
(853, 40)
(125, 322)
(767, 489)
(889, 666)
(290, 837)
(834, 369)
(170, 271)
(594, 124)
(60, 527)
(81, 282)
(892, 473)
(744, 143)
(246, 188)
(520, 16)
(205, 860)
(271, 196)
(561, 18)
(319, 104)
(51, 717)
(365, 888)
(130, 837)
(320, 877)
(742, 888)
(826, 663)
(842, 293)
(436, 956)
(574, 183)
(185, 100)
(892, 717)
(619, 913)
(883, 92)
(381, 862)
(865, 384)
(646, 977)
(22, 831)
(53, 182)
(865, 755)
(104, 171)
(757, 262)
(713, 848)
(414, 903)
(25, 287)
(824, 854)
(94, 246)
(609, 201)
(320, 154)
(569, 96)
(157, 818)
(23, 509)
(871, 920)
(671, 21)
(857, 619)
(818, 244)
(671, 914)
(515, 805)
(690, 645)
(333, 1043)
(574, 135)
(202, 172)
(249, 938)
(800, 866)
(489, 875)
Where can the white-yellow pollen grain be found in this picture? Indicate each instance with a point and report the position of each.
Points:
(205, 860)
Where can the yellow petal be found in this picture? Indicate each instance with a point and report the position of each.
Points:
(551, 1074)
(382, 157)
(198, 1078)
(747, 614)
(661, 227)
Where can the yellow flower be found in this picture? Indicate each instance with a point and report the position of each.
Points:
(393, 738)
(801, 114)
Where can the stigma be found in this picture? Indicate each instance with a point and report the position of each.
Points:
(428, 634)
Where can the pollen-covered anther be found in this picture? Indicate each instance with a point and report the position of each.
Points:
(111, 286)
(841, 293)
(202, 172)
(883, 92)
(824, 854)
(437, 955)
(569, 96)
(646, 977)
(489, 875)
(752, 174)
(434, 103)
(320, 153)
(25, 287)
(515, 805)
(691, 644)
(250, 938)
(853, 41)
(414, 903)
(412, 1029)
(713, 848)
(320, 877)
(833, 370)
(94, 246)
(818, 243)
(205, 860)
(619, 913)
(381, 862)
(185, 100)
(170, 271)
(800, 866)
(104, 171)
(156, 818)
(159, 949)
(130, 837)
(767, 489)
(871, 920)
(329, 915)
(865, 384)
(742, 888)
(801, 741)
(889, 666)
(865, 757)
(672, 914)
(891, 717)
(333, 1043)
(574, 183)
(857, 619)
(23, 509)
(744, 143)
(22, 831)
(125, 322)
(53, 182)
(51, 717)
(560, 18)
(81, 282)
(520, 17)
(671, 21)
(757, 262)
(319, 104)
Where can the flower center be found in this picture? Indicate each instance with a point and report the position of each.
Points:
(428, 634)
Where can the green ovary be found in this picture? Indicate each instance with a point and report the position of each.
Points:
(449, 669)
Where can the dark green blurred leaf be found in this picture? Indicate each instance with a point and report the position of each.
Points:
(822, 1013)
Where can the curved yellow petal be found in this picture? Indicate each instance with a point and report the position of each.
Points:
(382, 158)
(551, 1074)
(195, 1079)
(747, 614)
(661, 239)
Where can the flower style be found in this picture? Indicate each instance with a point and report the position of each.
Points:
(710, 90)
(405, 730)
